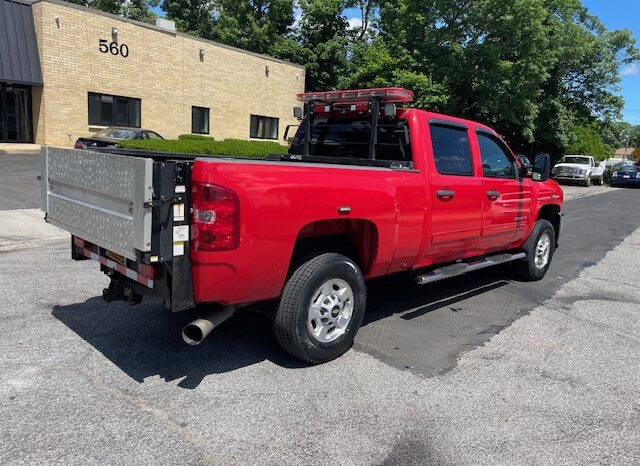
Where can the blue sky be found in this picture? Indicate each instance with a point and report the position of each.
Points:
(619, 14)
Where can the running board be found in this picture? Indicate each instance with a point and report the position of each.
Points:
(465, 267)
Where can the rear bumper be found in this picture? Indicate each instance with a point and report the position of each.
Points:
(625, 182)
(82, 249)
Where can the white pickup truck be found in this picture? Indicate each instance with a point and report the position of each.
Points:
(583, 169)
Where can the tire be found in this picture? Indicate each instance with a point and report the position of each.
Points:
(327, 291)
(587, 182)
(535, 265)
(600, 181)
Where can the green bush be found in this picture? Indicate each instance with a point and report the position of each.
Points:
(195, 137)
(606, 176)
(207, 146)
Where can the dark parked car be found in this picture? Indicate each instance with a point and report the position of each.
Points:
(109, 137)
(626, 175)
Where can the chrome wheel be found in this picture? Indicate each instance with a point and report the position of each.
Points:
(330, 310)
(542, 251)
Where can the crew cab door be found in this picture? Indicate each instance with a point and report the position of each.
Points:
(455, 194)
(507, 196)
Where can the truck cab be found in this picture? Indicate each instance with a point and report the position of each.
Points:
(582, 169)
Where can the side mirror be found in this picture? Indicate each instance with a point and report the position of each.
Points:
(524, 171)
(286, 132)
(297, 112)
(541, 167)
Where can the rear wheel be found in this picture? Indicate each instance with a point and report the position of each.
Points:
(539, 248)
(321, 308)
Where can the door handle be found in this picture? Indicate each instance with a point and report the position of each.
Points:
(445, 194)
(493, 195)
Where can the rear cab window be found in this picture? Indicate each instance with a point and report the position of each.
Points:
(349, 138)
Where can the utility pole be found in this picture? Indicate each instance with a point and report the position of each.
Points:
(626, 143)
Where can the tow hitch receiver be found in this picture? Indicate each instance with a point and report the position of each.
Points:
(119, 291)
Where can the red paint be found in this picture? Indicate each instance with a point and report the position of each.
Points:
(396, 215)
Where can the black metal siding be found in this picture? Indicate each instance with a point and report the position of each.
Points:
(19, 61)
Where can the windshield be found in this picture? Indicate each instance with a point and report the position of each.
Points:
(573, 159)
(626, 168)
(116, 133)
(339, 137)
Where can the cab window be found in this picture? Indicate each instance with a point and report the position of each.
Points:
(496, 160)
(451, 150)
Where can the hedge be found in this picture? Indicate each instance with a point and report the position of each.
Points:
(195, 137)
(207, 146)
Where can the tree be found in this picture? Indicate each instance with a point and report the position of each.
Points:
(323, 42)
(256, 25)
(620, 133)
(530, 68)
(192, 16)
(134, 9)
(586, 140)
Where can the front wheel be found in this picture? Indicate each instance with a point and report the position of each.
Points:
(539, 248)
(321, 308)
(586, 183)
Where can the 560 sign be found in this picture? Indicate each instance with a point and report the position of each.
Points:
(114, 48)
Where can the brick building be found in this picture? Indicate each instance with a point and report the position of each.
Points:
(67, 71)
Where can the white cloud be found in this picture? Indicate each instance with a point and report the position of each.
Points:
(630, 70)
(354, 23)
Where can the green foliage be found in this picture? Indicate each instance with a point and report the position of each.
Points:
(256, 25)
(195, 137)
(586, 140)
(529, 68)
(227, 147)
(620, 134)
(134, 9)
(606, 175)
(320, 42)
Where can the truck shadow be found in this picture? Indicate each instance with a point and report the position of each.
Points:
(144, 341)
(399, 294)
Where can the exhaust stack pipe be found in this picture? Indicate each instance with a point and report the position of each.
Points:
(194, 333)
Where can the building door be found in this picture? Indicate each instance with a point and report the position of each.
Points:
(15, 113)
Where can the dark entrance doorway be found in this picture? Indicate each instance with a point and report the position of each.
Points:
(15, 113)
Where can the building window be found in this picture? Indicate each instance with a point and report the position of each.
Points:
(113, 110)
(199, 120)
(264, 127)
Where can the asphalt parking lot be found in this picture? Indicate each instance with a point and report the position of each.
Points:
(476, 370)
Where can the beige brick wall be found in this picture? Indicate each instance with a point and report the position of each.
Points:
(163, 69)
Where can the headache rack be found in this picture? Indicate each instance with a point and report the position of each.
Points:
(363, 102)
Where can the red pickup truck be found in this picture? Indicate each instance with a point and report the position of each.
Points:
(368, 188)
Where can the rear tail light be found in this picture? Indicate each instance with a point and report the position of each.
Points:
(79, 145)
(215, 218)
